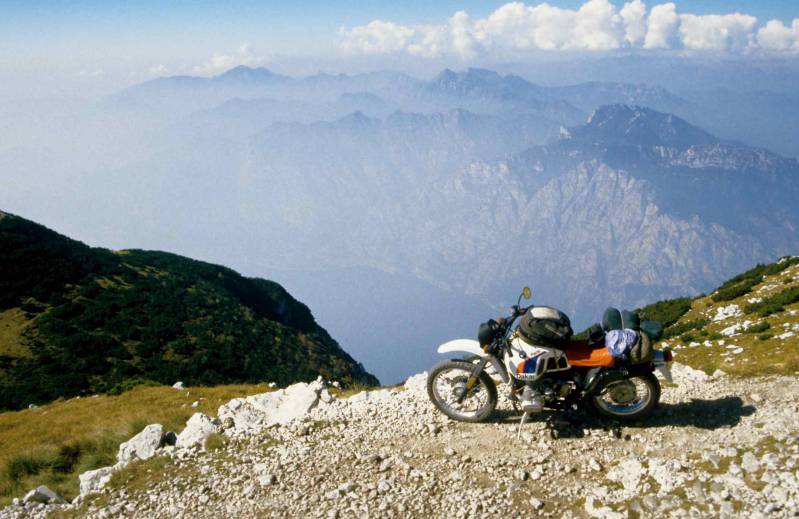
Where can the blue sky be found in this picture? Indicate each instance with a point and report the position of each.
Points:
(305, 26)
(115, 43)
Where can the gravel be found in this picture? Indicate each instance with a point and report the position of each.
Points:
(709, 450)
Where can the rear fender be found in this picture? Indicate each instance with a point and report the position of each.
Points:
(598, 377)
(663, 365)
(473, 347)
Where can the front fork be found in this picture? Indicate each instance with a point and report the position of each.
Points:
(472, 380)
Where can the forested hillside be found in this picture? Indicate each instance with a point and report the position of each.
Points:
(80, 320)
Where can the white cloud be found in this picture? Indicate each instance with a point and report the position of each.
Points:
(777, 37)
(662, 27)
(244, 55)
(733, 32)
(522, 27)
(158, 70)
(634, 16)
(597, 26)
(377, 37)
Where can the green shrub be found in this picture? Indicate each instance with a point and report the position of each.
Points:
(27, 464)
(667, 312)
(775, 303)
(762, 326)
(734, 291)
(686, 337)
(68, 456)
(760, 271)
(687, 326)
(765, 337)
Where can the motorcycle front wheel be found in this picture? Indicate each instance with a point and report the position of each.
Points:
(628, 400)
(446, 384)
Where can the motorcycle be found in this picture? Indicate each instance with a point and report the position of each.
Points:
(568, 376)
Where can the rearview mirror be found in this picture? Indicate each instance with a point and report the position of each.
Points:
(527, 293)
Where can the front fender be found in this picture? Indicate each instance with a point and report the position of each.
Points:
(467, 345)
(473, 347)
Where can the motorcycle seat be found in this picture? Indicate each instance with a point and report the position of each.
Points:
(582, 355)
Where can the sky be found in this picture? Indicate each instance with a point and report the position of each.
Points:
(90, 46)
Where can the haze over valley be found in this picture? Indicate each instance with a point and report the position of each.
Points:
(406, 203)
(405, 211)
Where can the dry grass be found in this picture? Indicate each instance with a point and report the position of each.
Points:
(215, 442)
(52, 444)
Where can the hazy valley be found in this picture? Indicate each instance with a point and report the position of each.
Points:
(444, 195)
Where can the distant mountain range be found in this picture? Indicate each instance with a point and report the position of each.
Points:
(76, 320)
(444, 196)
(633, 205)
(761, 118)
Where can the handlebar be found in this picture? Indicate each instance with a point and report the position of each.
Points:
(516, 311)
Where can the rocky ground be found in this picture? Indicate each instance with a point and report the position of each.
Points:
(716, 446)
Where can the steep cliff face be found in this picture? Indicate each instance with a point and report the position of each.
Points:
(632, 206)
(637, 204)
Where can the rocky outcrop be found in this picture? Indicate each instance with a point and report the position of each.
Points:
(142, 446)
(256, 412)
(199, 427)
(43, 495)
(95, 480)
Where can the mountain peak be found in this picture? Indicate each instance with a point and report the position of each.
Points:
(357, 120)
(636, 125)
(245, 73)
(470, 78)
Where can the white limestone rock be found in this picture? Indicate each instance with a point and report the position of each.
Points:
(199, 427)
(628, 472)
(44, 495)
(686, 374)
(726, 312)
(363, 396)
(95, 480)
(417, 382)
(257, 412)
(143, 445)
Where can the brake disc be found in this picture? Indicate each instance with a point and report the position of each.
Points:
(622, 392)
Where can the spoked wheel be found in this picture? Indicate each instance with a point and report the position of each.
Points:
(629, 399)
(446, 387)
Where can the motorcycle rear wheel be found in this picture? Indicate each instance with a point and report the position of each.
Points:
(447, 381)
(627, 400)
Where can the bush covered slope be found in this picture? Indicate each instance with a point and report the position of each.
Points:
(748, 326)
(77, 320)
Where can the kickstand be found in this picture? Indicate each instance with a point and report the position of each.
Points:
(524, 419)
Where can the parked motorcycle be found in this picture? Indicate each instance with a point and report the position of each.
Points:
(568, 374)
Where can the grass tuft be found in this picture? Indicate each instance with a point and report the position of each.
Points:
(215, 442)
